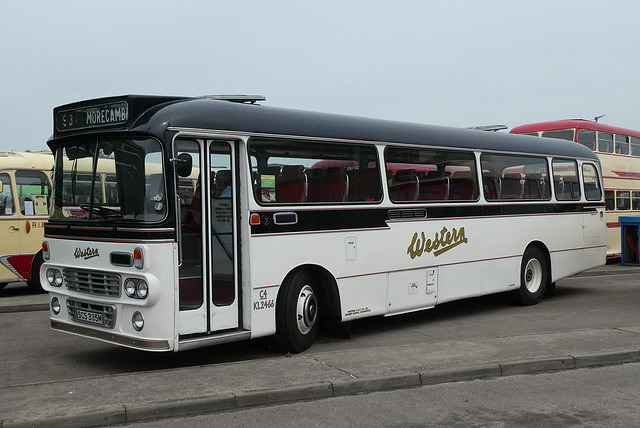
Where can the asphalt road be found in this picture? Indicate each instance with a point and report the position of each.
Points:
(595, 397)
(588, 316)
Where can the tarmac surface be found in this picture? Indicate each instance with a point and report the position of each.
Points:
(145, 396)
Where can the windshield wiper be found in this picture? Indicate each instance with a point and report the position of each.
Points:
(102, 212)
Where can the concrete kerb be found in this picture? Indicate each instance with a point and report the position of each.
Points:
(119, 414)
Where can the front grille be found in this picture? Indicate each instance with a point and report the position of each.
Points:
(92, 282)
(92, 313)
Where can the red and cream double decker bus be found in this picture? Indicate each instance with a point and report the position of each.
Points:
(297, 217)
(619, 153)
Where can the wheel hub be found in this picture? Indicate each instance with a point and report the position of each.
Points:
(307, 309)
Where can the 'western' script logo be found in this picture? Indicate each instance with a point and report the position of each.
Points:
(441, 242)
(86, 254)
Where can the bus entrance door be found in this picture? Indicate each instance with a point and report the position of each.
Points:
(207, 274)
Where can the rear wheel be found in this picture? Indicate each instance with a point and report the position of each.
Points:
(34, 281)
(298, 312)
(534, 276)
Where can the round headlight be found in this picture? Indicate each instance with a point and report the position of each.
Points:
(57, 278)
(142, 289)
(137, 321)
(130, 287)
(50, 276)
(55, 305)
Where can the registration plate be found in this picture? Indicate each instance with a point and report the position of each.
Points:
(90, 317)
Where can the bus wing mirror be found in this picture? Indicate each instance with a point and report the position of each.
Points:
(184, 164)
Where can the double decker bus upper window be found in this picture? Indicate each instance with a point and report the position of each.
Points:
(622, 144)
(587, 138)
(605, 142)
(564, 134)
(635, 146)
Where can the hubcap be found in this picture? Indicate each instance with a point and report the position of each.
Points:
(306, 309)
(533, 275)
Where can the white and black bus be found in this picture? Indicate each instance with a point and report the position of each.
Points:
(230, 220)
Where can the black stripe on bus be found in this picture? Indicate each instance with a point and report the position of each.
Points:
(377, 217)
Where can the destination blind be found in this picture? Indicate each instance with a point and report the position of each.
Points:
(103, 115)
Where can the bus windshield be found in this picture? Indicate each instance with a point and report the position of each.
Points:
(109, 179)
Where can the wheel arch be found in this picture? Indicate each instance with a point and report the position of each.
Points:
(329, 294)
(547, 255)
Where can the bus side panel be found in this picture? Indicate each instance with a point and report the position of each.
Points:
(452, 246)
(355, 259)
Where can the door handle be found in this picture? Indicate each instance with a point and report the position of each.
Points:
(13, 228)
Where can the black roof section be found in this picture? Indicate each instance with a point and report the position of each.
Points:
(240, 113)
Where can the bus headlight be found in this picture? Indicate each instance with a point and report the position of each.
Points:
(137, 321)
(54, 277)
(130, 288)
(136, 288)
(55, 305)
(142, 289)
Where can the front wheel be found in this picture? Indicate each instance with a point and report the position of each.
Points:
(534, 277)
(297, 312)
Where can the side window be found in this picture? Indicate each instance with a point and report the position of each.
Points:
(294, 172)
(6, 197)
(635, 201)
(592, 189)
(565, 179)
(635, 146)
(605, 142)
(587, 138)
(622, 145)
(416, 174)
(565, 134)
(507, 177)
(33, 192)
(609, 200)
(623, 200)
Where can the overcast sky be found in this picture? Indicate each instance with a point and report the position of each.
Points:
(449, 62)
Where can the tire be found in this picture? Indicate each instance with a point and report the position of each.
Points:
(534, 277)
(34, 281)
(297, 312)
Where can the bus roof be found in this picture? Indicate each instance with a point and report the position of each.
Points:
(156, 115)
(26, 160)
(557, 125)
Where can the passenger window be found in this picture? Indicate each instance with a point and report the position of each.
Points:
(635, 146)
(622, 145)
(431, 175)
(592, 190)
(294, 172)
(605, 142)
(6, 196)
(515, 177)
(635, 201)
(565, 179)
(623, 200)
(33, 192)
(587, 138)
(565, 134)
(609, 200)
